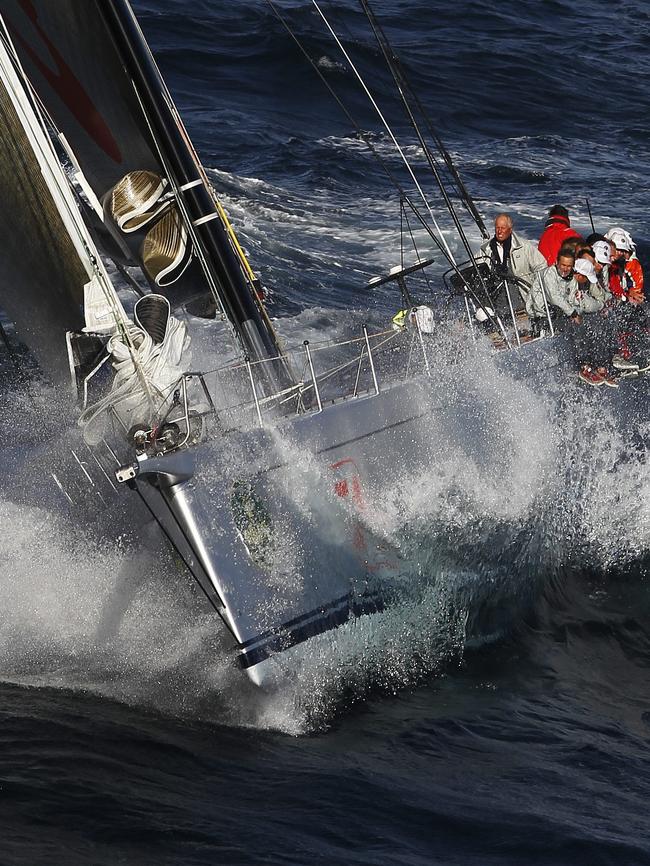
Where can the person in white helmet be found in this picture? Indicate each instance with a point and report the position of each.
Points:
(584, 342)
(626, 273)
(600, 326)
(603, 257)
(629, 318)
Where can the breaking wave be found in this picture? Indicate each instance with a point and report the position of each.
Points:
(515, 484)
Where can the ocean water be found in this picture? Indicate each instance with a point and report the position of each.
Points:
(127, 737)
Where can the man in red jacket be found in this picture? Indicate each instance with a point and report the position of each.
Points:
(557, 231)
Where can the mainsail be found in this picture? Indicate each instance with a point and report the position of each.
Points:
(69, 58)
(48, 262)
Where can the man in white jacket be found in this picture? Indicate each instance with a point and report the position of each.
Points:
(512, 259)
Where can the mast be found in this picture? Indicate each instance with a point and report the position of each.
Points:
(223, 268)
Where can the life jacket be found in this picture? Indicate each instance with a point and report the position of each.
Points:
(625, 276)
(634, 273)
(617, 280)
(557, 230)
(500, 268)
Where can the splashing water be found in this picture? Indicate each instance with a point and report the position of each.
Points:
(513, 483)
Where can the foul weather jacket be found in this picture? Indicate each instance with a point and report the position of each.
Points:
(567, 295)
(525, 262)
(625, 278)
(557, 231)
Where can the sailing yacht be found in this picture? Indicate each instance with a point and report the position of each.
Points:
(266, 473)
(213, 455)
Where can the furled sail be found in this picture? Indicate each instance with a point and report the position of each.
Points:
(136, 200)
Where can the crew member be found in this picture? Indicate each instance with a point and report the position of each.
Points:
(557, 231)
(586, 348)
(627, 273)
(603, 257)
(514, 261)
(630, 321)
(565, 287)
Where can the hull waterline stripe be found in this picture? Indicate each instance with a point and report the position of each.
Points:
(320, 624)
(292, 623)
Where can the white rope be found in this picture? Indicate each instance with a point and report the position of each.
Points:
(144, 374)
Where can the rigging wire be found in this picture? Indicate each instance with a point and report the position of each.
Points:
(404, 212)
(399, 80)
(442, 246)
(351, 38)
(464, 193)
(456, 181)
(395, 65)
(387, 128)
(400, 83)
(365, 138)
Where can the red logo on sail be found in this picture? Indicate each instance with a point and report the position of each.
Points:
(65, 83)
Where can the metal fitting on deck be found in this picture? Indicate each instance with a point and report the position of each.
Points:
(127, 473)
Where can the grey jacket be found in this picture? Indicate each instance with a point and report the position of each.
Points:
(525, 261)
(600, 290)
(565, 294)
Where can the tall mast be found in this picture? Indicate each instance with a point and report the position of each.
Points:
(223, 267)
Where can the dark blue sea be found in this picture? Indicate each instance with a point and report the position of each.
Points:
(126, 736)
